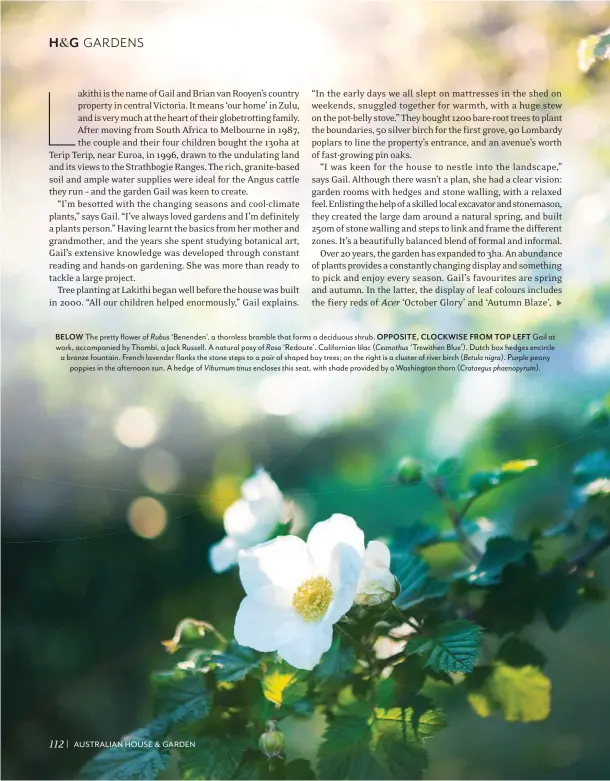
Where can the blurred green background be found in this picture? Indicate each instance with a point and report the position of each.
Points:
(114, 491)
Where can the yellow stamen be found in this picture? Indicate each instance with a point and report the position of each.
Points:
(312, 598)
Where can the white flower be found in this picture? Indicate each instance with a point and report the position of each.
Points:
(297, 590)
(376, 583)
(248, 521)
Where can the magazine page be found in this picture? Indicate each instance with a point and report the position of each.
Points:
(306, 401)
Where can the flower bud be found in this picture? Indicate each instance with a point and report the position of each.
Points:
(376, 584)
(271, 742)
(409, 471)
(377, 590)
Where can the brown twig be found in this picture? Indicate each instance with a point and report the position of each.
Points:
(582, 558)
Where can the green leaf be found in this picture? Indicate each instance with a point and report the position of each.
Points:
(441, 677)
(405, 539)
(418, 722)
(448, 467)
(425, 720)
(381, 747)
(336, 664)
(408, 677)
(411, 572)
(275, 684)
(252, 767)
(183, 695)
(516, 652)
(416, 586)
(482, 482)
(212, 758)
(345, 751)
(513, 604)
(287, 687)
(592, 467)
(298, 770)
(499, 552)
(517, 467)
(235, 662)
(559, 598)
(401, 691)
(144, 761)
(452, 648)
(257, 768)
(402, 757)
(520, 694)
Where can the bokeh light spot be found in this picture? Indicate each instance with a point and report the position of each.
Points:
(160, 471)
(136, 427)
(147, 517)
(278, 395)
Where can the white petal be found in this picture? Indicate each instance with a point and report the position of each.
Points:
(377, 554)
(260, 487)
(337, 548)
(223, 555)
(389, 581)
(302, 643)
(342, 601)
(265, 498)
(241, 522)
(257, 623)
(268, 514)
(253, 517)
(284, 562)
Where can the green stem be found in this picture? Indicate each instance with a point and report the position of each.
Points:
(214, 631)
(203, 624)
(405, 619)
(352, 640)
(456, 517)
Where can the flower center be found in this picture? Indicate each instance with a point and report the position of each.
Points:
(312, 598)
